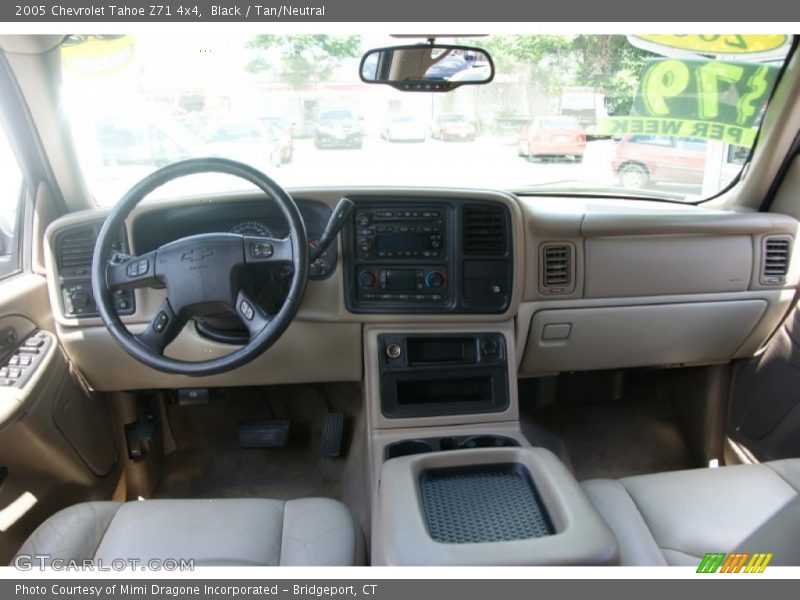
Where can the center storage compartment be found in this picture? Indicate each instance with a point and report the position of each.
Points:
(421, 394)
(486, 506)
(487, 503)
(471, 389)
(447, 374)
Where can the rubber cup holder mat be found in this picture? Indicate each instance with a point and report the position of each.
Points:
(486, 503)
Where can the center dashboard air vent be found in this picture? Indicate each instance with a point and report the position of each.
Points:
(484, 231)
(775, 252)
(557, 268)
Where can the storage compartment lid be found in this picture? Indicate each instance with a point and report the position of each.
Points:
(487, 503)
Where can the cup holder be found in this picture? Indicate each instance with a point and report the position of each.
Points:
(408, 447)
(448, 443)
(443, 444)
(488, 441)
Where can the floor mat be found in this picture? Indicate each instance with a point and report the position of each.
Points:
(637, 434)
(209, 463)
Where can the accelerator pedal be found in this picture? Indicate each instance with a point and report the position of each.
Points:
(332, 434)
(268, 433)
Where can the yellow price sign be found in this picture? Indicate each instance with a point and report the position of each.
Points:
(718, 43)
(98, 55)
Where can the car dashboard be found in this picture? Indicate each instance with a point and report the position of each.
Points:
(575, 283)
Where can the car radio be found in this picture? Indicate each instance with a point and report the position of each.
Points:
(427, 256)
(401, 255)
(398, 233)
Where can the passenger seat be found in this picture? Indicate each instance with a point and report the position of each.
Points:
(230, 531)
(676, 518)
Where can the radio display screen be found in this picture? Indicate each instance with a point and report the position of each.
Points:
(402, 241)
(400, 280)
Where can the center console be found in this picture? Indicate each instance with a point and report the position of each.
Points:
(432, 256)
(486, 506)
(453, 480)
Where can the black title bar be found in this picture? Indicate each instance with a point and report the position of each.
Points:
(440, 11)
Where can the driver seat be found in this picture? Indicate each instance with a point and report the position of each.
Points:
(247, 532)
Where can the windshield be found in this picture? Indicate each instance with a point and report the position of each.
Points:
(588, 114)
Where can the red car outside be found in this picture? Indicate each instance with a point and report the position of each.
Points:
(643, 159)
(453, 126)
(552, 136)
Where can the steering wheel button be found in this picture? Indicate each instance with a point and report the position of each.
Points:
(161, 322)
(132, 270)
(261, 249)
(246, 310)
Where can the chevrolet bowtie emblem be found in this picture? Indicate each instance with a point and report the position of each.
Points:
(197, 255)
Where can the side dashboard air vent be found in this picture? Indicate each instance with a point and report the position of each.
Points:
(775, 253)
(557, 268)
(484, 231)
(75, 248)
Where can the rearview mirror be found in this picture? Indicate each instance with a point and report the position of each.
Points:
(427, 67)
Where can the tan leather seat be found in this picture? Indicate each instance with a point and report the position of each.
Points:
(314, 531)
(676, 518)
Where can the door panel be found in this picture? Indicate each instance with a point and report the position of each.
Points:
(57, 444)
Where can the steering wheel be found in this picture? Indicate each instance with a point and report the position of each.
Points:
(201, 273)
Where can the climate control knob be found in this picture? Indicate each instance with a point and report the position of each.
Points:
(434, 279)
(366, 279)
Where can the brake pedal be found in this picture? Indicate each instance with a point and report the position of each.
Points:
(332, 434)
(269, 433)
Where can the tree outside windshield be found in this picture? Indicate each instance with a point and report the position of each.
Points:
(589, 114)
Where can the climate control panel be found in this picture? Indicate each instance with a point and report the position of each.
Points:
(428, 284)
